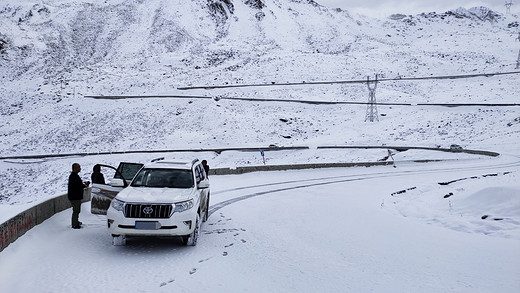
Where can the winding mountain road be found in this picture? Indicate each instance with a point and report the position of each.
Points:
(321, 230)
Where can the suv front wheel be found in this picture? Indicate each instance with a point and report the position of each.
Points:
(191, 240)
(118, 240)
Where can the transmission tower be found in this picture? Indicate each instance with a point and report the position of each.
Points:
(508, 6)
(371, 106)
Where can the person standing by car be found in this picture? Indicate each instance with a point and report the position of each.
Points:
(75, 194)
(206, 167)
(97, 176)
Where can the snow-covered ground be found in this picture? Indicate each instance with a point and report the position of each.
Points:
(374, 229)
(330, 230)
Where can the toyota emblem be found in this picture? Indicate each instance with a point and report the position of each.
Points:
(147, 210)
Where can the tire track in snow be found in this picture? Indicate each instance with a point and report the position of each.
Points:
(349, 178)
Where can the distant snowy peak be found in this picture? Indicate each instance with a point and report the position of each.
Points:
(480, 13)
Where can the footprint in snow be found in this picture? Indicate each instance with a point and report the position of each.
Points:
(166, 283)
(203, 260)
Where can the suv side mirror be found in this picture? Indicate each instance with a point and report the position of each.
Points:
(203, 184)
(116, 182)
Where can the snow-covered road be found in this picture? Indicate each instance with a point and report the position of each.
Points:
(332, 230)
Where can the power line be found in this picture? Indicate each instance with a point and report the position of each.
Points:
(463, 76)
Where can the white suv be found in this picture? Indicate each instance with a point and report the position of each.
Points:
(165, 198)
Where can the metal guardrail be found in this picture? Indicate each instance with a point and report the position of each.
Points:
(216, 150)
(249, 149)
(405, 148)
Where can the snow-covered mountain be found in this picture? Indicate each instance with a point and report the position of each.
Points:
(59, 37)
(55, 52)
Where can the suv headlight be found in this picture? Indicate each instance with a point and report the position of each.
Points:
(183, 206)
(117, 204)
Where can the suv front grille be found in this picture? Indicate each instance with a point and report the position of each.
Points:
(156, 211)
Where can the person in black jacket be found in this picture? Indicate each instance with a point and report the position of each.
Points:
(75, 194)
(206, 167)
(97, 176)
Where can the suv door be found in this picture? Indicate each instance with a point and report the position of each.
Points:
(102, 194)
(200, 177)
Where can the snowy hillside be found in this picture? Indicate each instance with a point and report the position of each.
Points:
(53, 53)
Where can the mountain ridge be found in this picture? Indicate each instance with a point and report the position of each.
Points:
(95, 32)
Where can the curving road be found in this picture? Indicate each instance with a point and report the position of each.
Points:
(507, 163)
(322, 230)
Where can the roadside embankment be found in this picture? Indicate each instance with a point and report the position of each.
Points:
(18, 225)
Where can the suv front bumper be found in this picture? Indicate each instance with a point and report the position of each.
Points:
(179, 224)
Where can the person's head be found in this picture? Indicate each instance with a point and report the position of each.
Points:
(76, 168)
(204, 163)
(97, 168)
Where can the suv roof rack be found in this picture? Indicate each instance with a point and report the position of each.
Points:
(167, 162)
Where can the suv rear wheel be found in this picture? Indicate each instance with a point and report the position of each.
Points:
(206, 212)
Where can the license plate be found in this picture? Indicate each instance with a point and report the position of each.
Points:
(147, 225)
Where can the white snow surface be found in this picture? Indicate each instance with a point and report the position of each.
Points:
(377, 229)
(329, 230)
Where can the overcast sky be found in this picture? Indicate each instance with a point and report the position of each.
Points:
(384, 8)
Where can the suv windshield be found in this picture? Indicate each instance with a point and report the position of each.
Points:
(128, 170)
(171, 178)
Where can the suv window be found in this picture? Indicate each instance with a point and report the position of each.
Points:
(199, 173)
(128, 170)
(171, 178)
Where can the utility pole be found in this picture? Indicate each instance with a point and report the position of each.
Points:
(508, 6)
(371, 106)
(518, 59)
